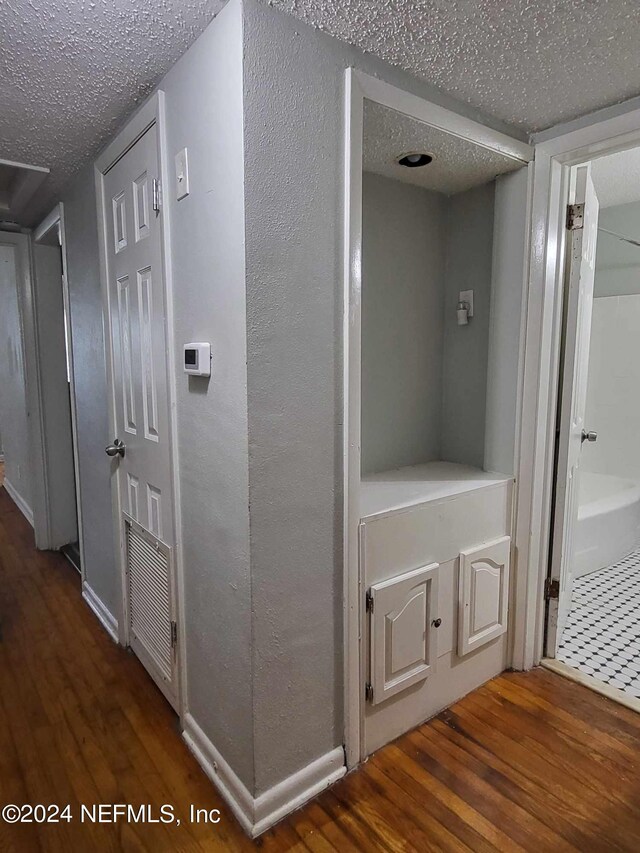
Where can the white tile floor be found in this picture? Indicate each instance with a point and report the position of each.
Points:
(602, 634)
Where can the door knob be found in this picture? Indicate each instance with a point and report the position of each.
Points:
(115, 449)
(589, 436)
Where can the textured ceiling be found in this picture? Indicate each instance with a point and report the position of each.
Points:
(616, 178)
(457, 164)
(71, 71)
(531, 63)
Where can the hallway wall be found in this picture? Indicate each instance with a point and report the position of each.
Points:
(257, 268)
(14, 421)
(207, 251)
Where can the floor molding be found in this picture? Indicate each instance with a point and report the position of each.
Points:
(105, 617)
(257, 814)
(592, 683)
(19, 501)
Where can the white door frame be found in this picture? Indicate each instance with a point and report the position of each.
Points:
(359, 86)
(554, 157)
(54, 222)
(150, 114)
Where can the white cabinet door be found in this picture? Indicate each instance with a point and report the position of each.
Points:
(403, 638)
(483, 590)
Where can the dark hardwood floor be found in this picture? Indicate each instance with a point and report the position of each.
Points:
(528, 762)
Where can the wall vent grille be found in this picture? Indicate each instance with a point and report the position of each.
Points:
(150, 612)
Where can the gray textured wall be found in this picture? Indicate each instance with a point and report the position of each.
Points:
(510, 243)
(13, 402)
(294, 150)
(403, 258)
(469, 265)
(204, 113)
(56, 409)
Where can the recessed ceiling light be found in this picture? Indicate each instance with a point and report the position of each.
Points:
(415, 159)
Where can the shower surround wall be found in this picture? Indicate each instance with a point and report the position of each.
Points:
(424, 378)
(613, 402)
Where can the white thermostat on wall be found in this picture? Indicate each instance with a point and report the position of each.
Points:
(197, 359)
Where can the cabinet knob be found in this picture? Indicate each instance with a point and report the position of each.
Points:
(437, 622)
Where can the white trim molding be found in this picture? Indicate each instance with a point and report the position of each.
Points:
(19, 501)
(99, 608)
(257, 814)
(556, 151)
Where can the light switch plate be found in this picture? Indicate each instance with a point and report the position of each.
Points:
(467, 296)
(182, 174)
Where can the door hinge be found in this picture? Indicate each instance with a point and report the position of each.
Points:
(368, 692)
(575, 216)
(368, 602)
(156, 191)
(551, 588)
(174, 635)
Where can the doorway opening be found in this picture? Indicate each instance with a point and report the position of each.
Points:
(57, 389)
(594, 622)
(137, 304)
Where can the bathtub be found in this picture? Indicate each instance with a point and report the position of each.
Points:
(608, 525)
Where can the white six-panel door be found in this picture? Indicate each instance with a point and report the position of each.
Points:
(139, 345)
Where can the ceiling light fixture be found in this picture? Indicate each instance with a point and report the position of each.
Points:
(415, 159)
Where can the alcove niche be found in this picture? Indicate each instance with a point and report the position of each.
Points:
(439, 395)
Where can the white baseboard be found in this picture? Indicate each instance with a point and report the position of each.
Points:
(257, 814)
(19, 501)
(106, 618)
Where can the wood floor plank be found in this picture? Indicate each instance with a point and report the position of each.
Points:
(530, 762)
(587, 766)
(547, 771)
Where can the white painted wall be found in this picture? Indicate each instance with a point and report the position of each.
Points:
(613, 398)
(613, 401)
(14, 421)
(403, 259)
(617, 262)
